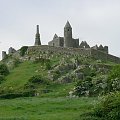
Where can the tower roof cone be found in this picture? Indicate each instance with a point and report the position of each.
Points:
(68, 25)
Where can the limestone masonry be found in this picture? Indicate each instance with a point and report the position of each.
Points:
(65, 45)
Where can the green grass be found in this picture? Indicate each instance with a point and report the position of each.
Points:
(36, 108)
(21, 74)
(58, 90)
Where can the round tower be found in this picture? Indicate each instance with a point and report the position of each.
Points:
(68, 35)
(37, 37)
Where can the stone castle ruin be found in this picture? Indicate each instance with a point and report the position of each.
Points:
(67, 40)
(65, 45)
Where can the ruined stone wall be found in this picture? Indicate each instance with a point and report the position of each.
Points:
(104, 56)
(75, 43)
(36, 51)
(4, 55)
(59, 41)
(113, 58)
(98, 54)
(54, 42)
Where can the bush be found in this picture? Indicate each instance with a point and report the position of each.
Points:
(36, 79)
(48, 65)
(2, 78)
(3, 69)
(23, 50)
(101, 85)
(29, 93)
(29, 85)
(16, 62)
(84, 88)
(93, 86)
(115, 72)
(86, 71)
(109, 107)
(115, 84)
(114, 79)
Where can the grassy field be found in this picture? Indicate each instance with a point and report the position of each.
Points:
(35, 108)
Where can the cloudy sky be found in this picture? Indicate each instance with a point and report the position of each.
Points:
(96, 21)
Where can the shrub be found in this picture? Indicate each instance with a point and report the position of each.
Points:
(101, 85)
(29, 93)
(29, 85)
(86, 71)
(115, 84)
(114, 79)
(2, 78)
(84, 88)
(109, 107)
(16, 62)
(48, 65)
(23, 50)
(92, 74)
(115, 72)
(3, 69)
(56, 75)
(92, 86)
(36, 79)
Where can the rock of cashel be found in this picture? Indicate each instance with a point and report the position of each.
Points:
(63, 45)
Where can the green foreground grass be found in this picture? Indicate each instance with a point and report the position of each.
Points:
(35, 108)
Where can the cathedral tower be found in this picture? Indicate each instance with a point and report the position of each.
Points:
(68, 41)
(37, 37)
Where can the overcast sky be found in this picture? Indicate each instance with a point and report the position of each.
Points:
(96, 21)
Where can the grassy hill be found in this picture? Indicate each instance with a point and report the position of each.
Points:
(21, 74)
(53, 101)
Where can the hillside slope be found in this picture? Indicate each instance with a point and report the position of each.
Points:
(50, 82)
(58, 71)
